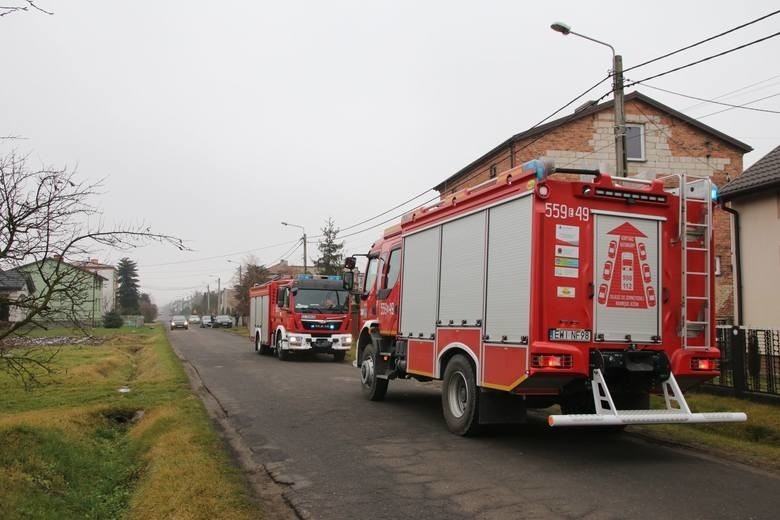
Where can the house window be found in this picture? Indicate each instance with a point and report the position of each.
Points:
(635, 142)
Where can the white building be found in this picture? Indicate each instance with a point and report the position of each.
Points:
(109, 286)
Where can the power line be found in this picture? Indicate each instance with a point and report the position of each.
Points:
(741, 106)
(246, 252)
(702, 60)
(711, 100)
(730, 93)
(702, 41)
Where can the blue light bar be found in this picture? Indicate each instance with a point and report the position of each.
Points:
(305, 277)
(714, 193)
(541, 167)
(334, 277)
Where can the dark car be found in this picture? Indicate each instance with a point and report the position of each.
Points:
(223, 320)
(205, 321)
(179, 322)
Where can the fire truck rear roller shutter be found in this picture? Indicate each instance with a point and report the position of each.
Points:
(462, 269)
(420, 281)
(508, 272)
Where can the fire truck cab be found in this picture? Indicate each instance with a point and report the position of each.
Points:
(307, 313)
(532, 290)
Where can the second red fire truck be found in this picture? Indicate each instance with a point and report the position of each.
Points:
(530, 290)
(307, 313)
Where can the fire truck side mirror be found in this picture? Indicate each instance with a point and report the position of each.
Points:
(349, 280)
(350, 262)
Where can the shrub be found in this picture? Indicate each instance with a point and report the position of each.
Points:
(112, 320)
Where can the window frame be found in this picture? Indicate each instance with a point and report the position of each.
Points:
(642, 137)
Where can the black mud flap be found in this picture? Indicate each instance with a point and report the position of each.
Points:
(500, 408)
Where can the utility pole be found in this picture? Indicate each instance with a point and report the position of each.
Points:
(219, 297)
(621, 169)
(621, 166)
(208, 300)
(305, 254)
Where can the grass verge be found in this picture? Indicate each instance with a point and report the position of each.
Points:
(78, 448)
(755, 442)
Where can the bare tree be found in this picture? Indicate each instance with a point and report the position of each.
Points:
(27, 5)
(48, 225)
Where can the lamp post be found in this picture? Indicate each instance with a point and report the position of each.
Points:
(304, 243)
(617, 90)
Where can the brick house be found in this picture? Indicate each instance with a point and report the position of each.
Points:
(659, 141)
(755, 198)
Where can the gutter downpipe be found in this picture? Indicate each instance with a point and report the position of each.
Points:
(737, 259)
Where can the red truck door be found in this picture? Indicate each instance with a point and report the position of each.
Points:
(387, 293)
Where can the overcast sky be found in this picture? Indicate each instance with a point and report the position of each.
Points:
(214, 121)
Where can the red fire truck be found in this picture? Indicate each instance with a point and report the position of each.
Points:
(534, 289)
(307, 313)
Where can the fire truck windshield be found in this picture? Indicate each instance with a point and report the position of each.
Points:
(321, 300)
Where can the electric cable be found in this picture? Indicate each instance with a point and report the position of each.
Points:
(711, 100)
(701, 42)
(718, 55)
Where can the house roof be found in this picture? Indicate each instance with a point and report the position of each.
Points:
(579, 114)
(763, 175)
(11, 280)
(92, 273)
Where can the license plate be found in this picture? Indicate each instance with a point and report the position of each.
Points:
(578, 335)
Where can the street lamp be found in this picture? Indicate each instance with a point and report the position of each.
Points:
(304, 243)
(239, 269)
(617, 90)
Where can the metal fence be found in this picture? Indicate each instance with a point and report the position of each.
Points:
(749, 361)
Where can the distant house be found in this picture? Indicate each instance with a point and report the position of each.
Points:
(659, 141)
(78, 292)
(755, 198)
(14, 286)
(108, 272)
(282, 268)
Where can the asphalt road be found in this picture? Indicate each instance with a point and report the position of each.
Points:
(343, 457)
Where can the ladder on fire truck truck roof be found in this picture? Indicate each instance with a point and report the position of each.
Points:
(697, 191)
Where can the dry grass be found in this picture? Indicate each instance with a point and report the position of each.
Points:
(755, 442)
(69, 451)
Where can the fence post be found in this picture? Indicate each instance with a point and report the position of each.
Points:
(738, 359)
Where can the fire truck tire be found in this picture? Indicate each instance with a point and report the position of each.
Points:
(338, 357)
(282, 354)
(460, 397)
(373, 387)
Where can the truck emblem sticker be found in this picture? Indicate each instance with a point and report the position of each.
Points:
(626, 277)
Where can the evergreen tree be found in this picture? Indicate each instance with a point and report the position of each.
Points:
(127, 276)
(331, 260)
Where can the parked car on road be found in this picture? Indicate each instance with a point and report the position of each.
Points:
(205, 321)
(194, 318)
(223, 320)
(179, 322)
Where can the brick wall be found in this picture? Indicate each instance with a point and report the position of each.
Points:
(672, 146)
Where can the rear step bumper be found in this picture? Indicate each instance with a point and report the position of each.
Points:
(676, 412)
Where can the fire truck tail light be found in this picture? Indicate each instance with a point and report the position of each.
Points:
(708, 364)
(551, 361)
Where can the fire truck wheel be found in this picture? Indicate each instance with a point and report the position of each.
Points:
(460, 397)
(282, 354)
(338, 357)
(374, 388)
